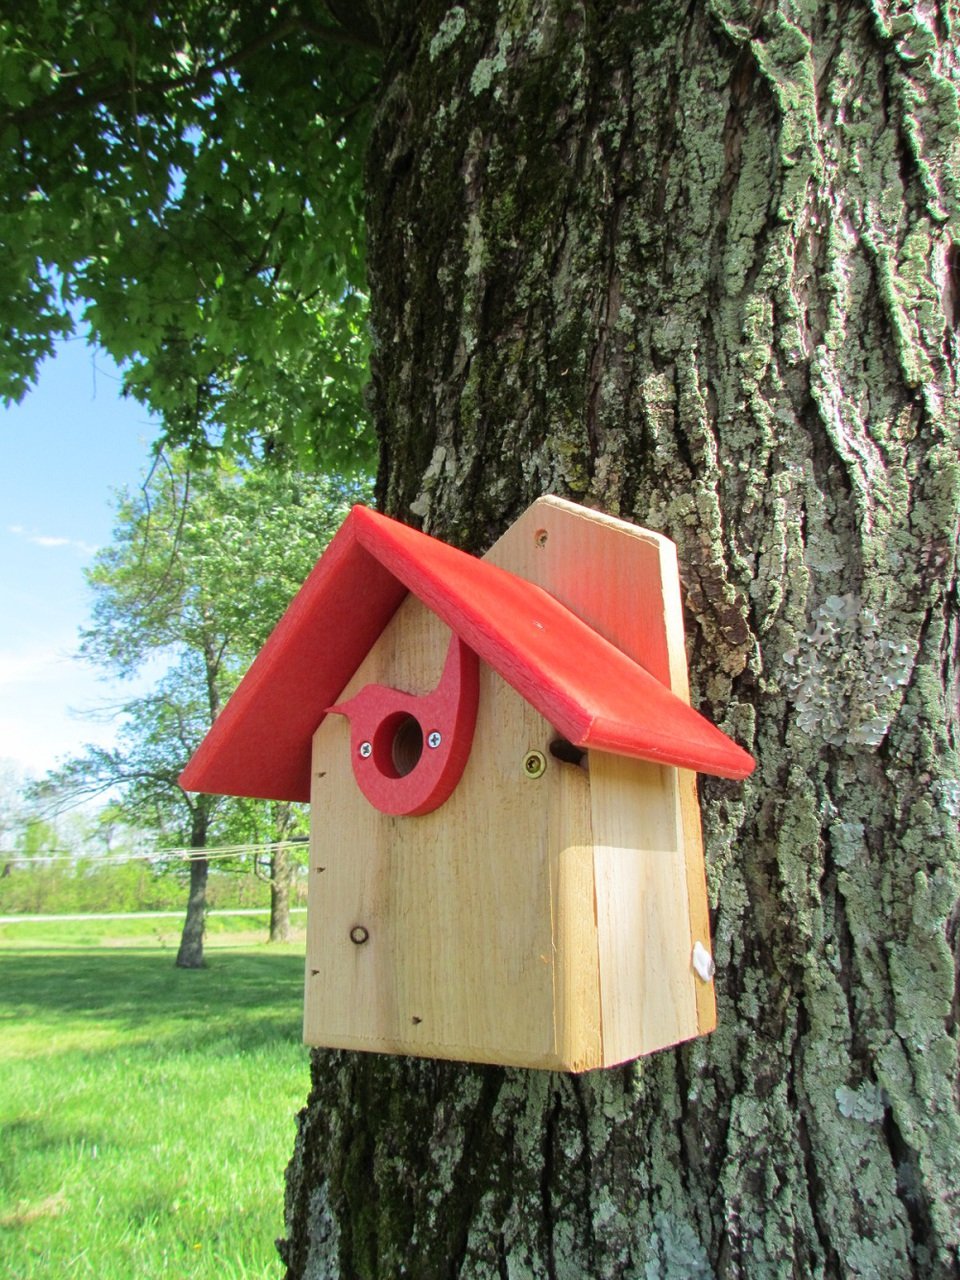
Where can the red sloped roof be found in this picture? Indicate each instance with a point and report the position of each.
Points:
(590, 691)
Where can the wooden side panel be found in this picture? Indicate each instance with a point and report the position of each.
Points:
(625, 583)
(466, 909)
(576, 986)
(698, 904)
(647, 985)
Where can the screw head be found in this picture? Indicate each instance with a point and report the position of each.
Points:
(358, 934)
(434, 739)
(366, 750)
(534, 764)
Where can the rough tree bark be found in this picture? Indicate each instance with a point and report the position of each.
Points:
(281, 870)
(699, 268)
(281, 879)
(190, 951)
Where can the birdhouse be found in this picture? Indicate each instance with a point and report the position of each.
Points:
(505, 854)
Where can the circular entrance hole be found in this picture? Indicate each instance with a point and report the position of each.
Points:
(407, 745)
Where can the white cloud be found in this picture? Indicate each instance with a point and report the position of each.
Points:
(29, 666)
(35, 745)
(51, 540)
(52, 704)
(37, 688)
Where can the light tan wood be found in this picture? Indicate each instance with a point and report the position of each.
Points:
(617, 577)
(647, 984)
(540, 922)
(480, 915)
(624, 581)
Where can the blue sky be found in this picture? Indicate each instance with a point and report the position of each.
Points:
(63, 453)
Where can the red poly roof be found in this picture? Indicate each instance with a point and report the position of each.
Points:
(588, 690)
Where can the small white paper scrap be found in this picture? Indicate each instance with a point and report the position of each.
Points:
(703, 962)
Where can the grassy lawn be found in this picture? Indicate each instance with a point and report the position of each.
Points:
(146, 1113)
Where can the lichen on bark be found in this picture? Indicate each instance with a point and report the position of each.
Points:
(696, 268)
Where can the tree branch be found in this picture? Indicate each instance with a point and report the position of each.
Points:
(355, 18)
(72, 93)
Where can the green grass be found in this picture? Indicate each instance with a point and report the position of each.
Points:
(163, 933)
(146, 1112)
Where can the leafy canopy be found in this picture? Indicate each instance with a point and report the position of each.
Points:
(185, 178)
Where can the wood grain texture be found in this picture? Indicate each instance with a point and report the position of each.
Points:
(540, 922)
(479, 915)
(624, 582)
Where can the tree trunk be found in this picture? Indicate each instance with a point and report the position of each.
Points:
(698, 268)
(190, 953)
(281, 878)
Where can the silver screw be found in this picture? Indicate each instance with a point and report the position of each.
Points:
(366, 750)
(434, 739)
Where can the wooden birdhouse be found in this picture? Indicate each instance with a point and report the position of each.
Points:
(499, 754)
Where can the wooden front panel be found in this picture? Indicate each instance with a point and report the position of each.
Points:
(480, 916)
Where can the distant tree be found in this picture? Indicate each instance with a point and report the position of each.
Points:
(11, 809)
(110, 829)
(206, 561)
(279, 824)
(26, 831)
(200, 567)
(159, 732)
(32, 844)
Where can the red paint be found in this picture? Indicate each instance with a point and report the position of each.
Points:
(590, 691)
(379, 719)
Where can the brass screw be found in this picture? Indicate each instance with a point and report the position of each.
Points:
(534, 764)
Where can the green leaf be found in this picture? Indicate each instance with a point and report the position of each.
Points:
(193, 174)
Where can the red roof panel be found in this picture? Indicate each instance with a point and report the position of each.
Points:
(590, 691)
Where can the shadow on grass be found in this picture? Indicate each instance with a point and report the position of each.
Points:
(243, 999)
(25, 1138)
